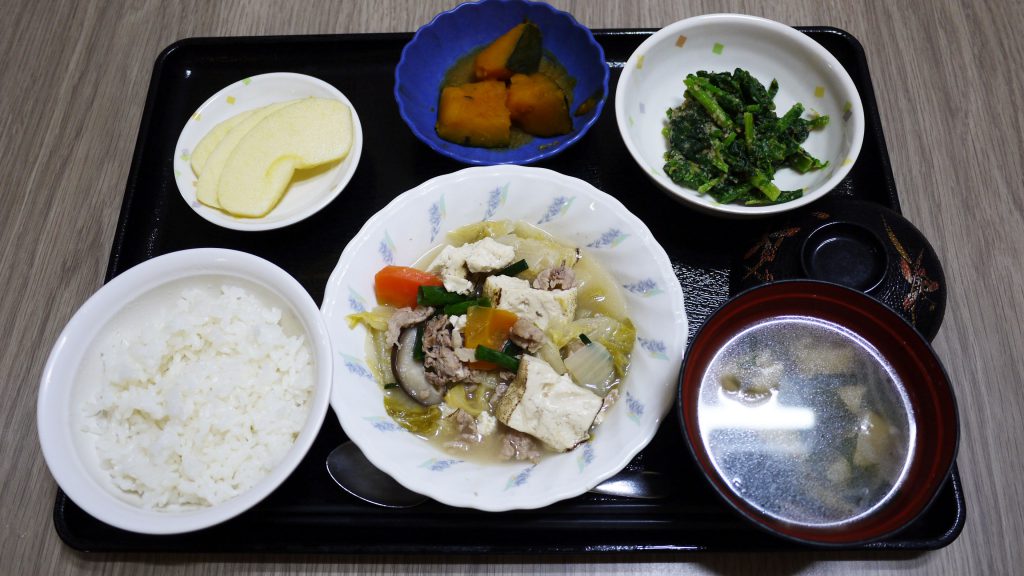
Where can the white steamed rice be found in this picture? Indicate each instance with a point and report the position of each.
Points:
(202, 401)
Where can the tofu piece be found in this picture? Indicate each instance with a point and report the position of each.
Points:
(450, 265)
(488, 255)
(458, 322)
(495, 285)
(455, 262)
(548, 406)
(543, 307)
(486, 424)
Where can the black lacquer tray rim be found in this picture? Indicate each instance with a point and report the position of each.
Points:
(874, 131)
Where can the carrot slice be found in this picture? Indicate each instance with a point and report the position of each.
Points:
(397, 285)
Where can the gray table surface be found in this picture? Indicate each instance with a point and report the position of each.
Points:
(73, 81)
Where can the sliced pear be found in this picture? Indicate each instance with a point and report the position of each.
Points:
(309, 133)
(209, 143)
(206, 187)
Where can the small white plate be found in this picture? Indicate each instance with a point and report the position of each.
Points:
(303, 198)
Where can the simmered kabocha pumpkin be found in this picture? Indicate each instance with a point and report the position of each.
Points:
(538, 105)
(475, 114)
(516, 51)
(503, 88)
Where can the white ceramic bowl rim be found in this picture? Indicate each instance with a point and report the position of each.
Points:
(653, 291)
(302, 199)
(56, 438)
(673, 31)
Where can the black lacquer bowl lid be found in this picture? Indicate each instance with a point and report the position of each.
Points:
(856, 244)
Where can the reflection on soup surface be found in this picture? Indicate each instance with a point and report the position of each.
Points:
(806, 421)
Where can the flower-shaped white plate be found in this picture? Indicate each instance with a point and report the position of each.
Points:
(571, 210)
(652, 82)
(305, 196)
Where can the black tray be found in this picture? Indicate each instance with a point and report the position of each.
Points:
(309, 513)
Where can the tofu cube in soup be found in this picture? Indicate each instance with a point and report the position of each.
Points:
(455, 262)
(543, 307)
(549, 406)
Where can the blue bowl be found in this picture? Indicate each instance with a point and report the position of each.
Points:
(451, 35)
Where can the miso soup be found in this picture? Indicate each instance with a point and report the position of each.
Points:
(806, 421)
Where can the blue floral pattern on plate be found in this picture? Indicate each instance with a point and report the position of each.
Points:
(439, 465)
(519, 479)
(356, 367)
(386, 249)
(646, 287)
(655, 348)
(495, 200)
(585, 455)
(437, 214)
(559, 206)
(636, 408)
(383, 424)
(356, 303)
(610, 239)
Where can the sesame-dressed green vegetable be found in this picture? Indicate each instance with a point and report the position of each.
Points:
(726, 140)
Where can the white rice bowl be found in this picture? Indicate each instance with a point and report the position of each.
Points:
(200, 400)
(574, 212)
(184, 391)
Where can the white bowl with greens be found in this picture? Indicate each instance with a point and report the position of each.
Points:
(575, 213)
(653, 82)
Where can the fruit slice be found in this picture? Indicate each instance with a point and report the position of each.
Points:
(206, 187)
(538, 105)
(209, 142)
(516, 51)
(308, 133)
(475, 114)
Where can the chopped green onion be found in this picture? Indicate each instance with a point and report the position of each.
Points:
(513, 268)
(461, 307)
(437, 296)
(503, 360)
(584, 339)
(390, 385)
